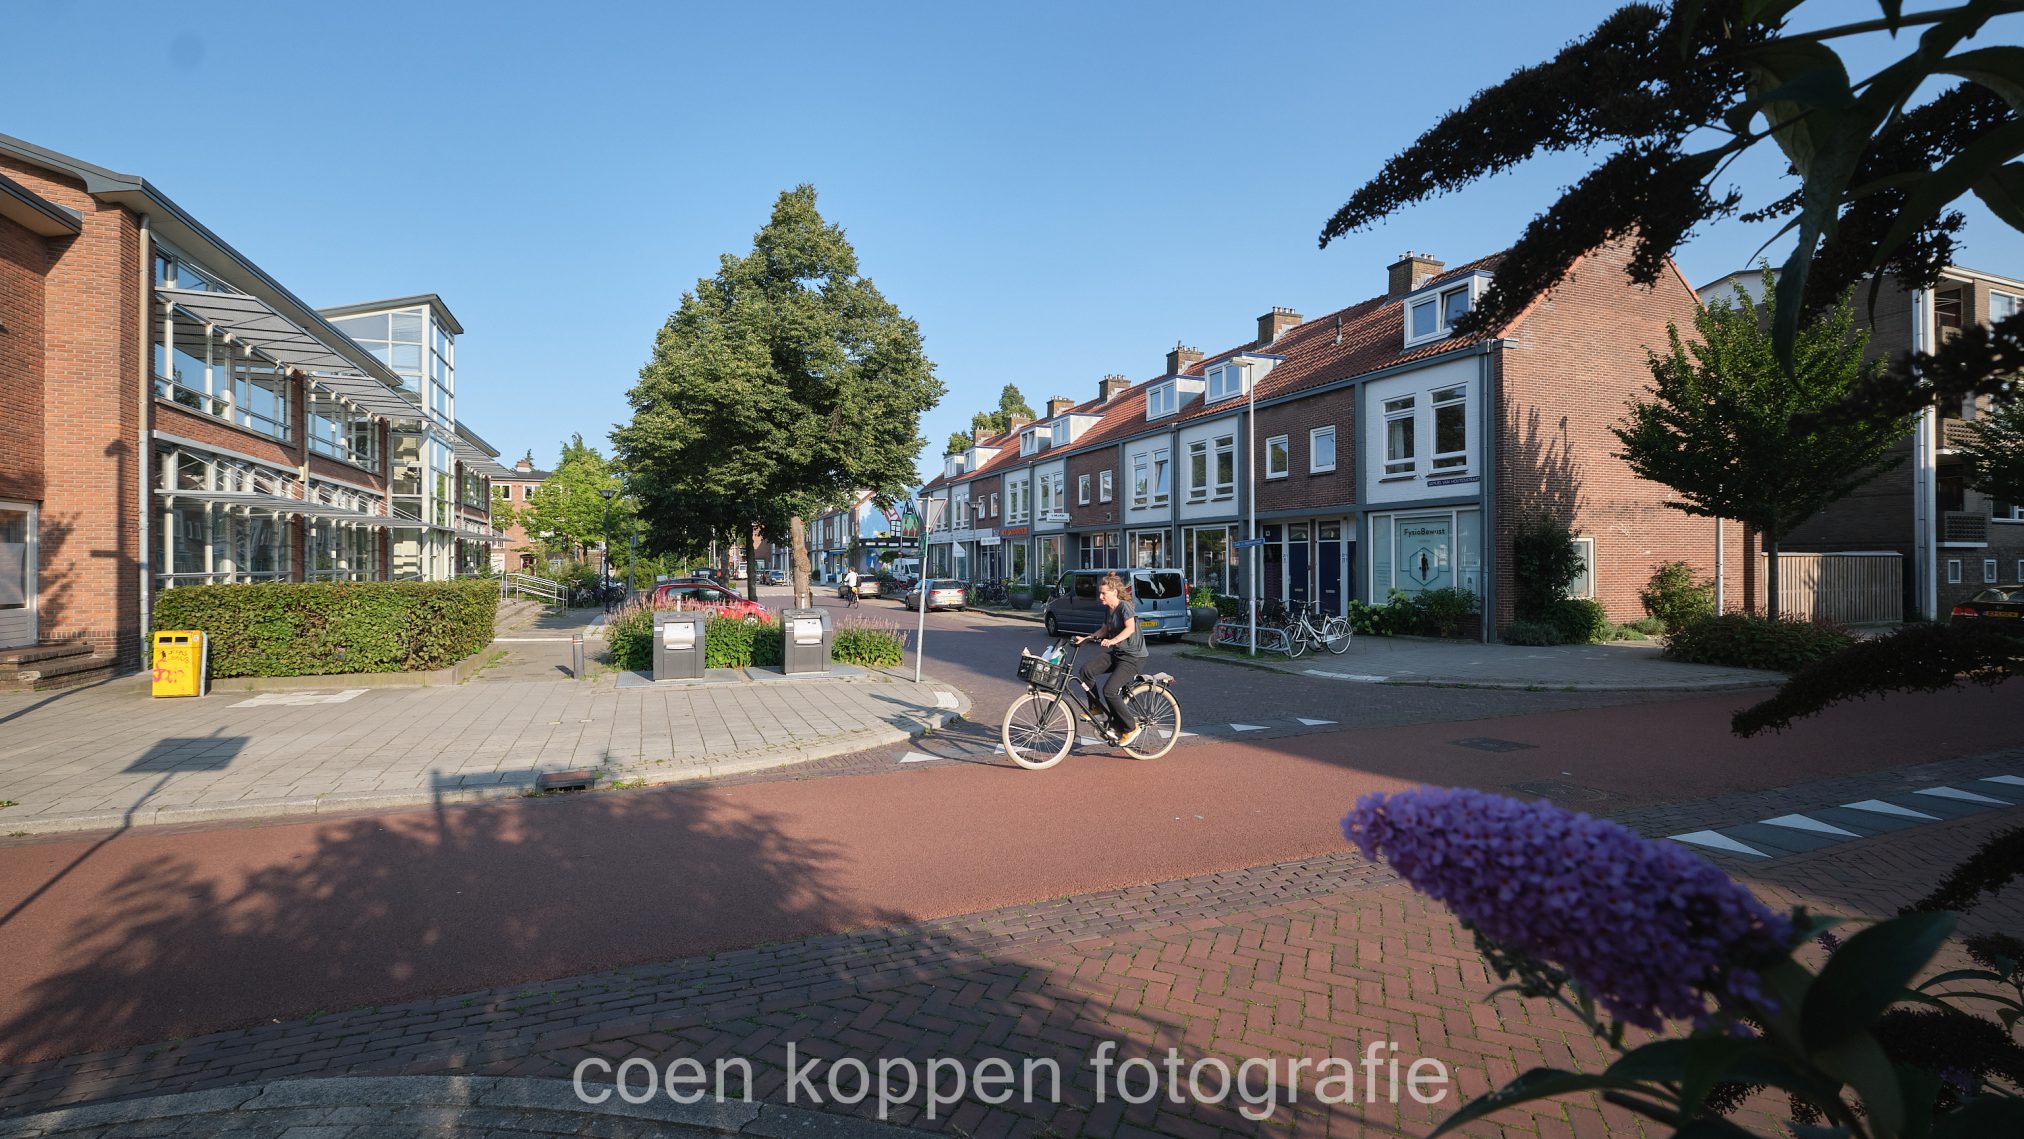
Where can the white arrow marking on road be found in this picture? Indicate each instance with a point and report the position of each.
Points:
(1246, 728)
(1802, 823)
(1718, 841)
(1313, 723)
(917, 757)
(1879, 807)
(2012, 780)
(1963, 796)
(270, 699)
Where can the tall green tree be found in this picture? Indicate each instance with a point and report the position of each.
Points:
(1668, 96)
(1737, 437)
(1994, 451)
(960, 442)
(780, 386)
(985, 423)
(567, 511)
(503, 514)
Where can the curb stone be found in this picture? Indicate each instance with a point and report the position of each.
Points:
(451, 1104)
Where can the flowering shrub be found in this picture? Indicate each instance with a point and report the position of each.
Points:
(1590, 914)
(1653, 930)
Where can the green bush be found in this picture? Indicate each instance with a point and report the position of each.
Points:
(629, 635)
(1628, 633)
(867, 644)
(1395, 616)
(1580, 620)
(732, 642)
(1444, 612)
(1227, 607)
(1531, 633)
(1649, 626)
(1675, 599)
(1201, 597)
(334, 627)
(1544, 562)
(1743, 641)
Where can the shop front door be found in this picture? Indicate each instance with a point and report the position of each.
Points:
(18, 625)
(1328, 562)
(1298, 562)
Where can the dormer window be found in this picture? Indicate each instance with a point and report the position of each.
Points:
(1225, 381)
(1161, 400)
(1432, 315)
(1029, 442)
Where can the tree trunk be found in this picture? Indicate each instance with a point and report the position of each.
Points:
(797, 561)
(751, 567)
(1771, 576)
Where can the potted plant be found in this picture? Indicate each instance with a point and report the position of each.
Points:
(1019, 595)
(1202, 611)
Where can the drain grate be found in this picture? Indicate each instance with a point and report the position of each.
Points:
(1560, 792)
(1488, 743)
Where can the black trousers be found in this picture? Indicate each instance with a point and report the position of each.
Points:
(1121, 669)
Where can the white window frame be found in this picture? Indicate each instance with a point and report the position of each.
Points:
(1405, 407)
(1953, 571)
(1046, 504)
(1029, 442)
(1141, 480)
(1314, 466)
(1163, 472)
(1449, 462)
(1991, 573)
(1226, 381)
(1585, 546)
(1161, 401)
(1105, 490)
(1285, 456)
(1442, 327)
(1224, 445)
(1082, 490)
(1198, 489)
(994, 504)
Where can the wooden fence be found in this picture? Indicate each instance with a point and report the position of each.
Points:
(1853, 589)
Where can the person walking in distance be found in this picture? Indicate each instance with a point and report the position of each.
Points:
(850, 587)
(1127, 653)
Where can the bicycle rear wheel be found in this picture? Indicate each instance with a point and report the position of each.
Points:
(1337, 636)
(1038, 730)
(1296, 640)
(1158, 716)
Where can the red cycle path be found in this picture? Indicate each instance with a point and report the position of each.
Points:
(159, 933)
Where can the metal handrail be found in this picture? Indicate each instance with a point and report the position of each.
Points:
(528, 585)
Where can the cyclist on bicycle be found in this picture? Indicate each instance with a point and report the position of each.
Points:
(850, 580)
(1120, 634)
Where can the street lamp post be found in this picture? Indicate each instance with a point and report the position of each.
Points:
(609, 493)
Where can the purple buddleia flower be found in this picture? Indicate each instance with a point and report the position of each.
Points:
(1651, 929)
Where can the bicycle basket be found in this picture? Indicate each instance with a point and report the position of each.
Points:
(1041, 674)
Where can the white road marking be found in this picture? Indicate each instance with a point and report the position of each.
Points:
(1359, 677)
(1718, 841)
(1313, 723)
(1963, 796)
(917, 757)
(1802, 823)
(1879, 807)
(271, 699)
(2012, 780)
(1246, 728)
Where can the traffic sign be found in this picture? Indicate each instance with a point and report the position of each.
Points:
(1248, 543)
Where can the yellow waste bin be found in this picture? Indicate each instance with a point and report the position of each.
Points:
(182, 660)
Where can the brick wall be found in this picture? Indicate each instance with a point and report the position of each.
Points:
(981, 491)
(1301, 489)
(1099, 512)
(1580, 358)
(24, 259)
(89, 584)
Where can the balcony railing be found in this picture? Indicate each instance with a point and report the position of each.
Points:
(1964, 527)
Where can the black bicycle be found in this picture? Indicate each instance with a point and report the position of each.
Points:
(1040, 726)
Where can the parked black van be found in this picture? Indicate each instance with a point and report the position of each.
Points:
(1159, 595)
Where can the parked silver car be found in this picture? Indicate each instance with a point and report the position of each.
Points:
(941, 595)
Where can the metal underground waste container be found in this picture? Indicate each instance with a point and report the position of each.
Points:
(805, 637)
(678, 646)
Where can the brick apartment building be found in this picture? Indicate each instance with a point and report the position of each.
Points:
(1372, 450)
(181, 417)
(1950, 541)
(521, 553)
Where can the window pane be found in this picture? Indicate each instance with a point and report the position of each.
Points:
(1455, 304)
(1423, 318)
(1399, 438)
(408, 327)
(1451, 429)
(1324, 449)
(364, 327)
(1275, 456)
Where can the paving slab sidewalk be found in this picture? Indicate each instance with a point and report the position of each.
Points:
(110, 756)
(1621, 666)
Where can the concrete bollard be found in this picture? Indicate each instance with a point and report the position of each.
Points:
(576, 655)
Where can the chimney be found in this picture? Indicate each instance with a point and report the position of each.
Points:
(1014, 423)
(1182, 358)
(524, 466)
(1058, 404)
(1111, 386)
(1274, 324)
(1409, 272)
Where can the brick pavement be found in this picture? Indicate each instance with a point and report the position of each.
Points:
(1308, 959)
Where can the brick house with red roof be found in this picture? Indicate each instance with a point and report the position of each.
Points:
(1368, 450)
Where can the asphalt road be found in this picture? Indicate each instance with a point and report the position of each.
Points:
(160, 933)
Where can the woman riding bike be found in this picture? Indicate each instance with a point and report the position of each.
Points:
(1119, 634)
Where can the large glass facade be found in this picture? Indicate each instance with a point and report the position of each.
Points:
(195, 368)
(1413, 553)
(412, 341)
(200, 541)
(1212, 558)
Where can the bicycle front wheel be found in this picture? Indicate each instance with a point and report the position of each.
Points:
(1296, 641)
(1338, 635)
(1158, 716)
(1038, 730)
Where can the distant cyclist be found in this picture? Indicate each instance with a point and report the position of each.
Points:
(850, 580)
(1120, 634)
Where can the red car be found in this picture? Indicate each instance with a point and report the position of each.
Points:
(697, 594)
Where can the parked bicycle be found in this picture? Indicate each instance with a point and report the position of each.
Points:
(1042, 725)
(989, 592)
(1310, 628)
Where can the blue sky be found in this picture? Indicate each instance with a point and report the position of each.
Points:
(1054, 191)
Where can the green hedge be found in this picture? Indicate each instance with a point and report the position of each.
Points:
(1744, 641)
(334, 627)
(867, 645)
(732, 642)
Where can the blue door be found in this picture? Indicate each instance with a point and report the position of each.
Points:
(1328, 560)
(1272, 563)
(1298, 558)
